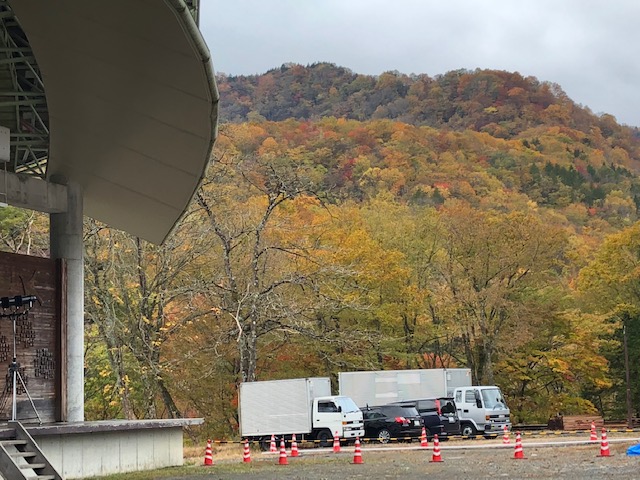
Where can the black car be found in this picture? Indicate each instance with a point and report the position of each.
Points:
(389, 422)
(434, 422)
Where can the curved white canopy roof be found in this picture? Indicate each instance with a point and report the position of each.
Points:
(132, 105)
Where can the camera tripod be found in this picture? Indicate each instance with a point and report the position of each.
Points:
(17, 306)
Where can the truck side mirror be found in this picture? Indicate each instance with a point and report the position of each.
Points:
(339, 409)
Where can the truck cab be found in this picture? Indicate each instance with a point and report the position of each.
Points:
(336, 415)
(482, 410)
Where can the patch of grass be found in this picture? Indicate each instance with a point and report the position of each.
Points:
(227, 460)
(154, 474)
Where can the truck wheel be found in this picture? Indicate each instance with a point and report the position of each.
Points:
(468, 430)
(384, 436)
(325, 438)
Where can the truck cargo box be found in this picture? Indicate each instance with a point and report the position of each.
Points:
(386, 386)
(279, 406)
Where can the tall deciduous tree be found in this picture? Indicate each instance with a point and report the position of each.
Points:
(552, 371)
(610, 285)
(262, 279)
(491, 267)
(367, 289)
(414, 236)
(614, 274)
(138, 296)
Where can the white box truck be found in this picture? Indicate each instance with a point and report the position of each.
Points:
(303, 406)
(481, 409)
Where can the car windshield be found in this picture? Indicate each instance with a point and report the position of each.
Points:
(347, 404)
(492, 398)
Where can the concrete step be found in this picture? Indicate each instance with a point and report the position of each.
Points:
(33, 466)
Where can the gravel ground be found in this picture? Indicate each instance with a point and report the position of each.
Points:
(479, 459)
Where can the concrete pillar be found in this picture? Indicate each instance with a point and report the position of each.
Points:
(66, 242)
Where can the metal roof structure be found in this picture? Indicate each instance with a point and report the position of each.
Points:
(118, 97)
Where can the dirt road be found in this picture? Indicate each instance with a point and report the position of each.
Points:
(556, 459)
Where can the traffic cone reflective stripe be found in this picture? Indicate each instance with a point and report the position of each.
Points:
(604, 445)
(505, 437)
(594, 435)
(519, 453)
(357, 455)
(336, 443)
(423, 438)
(283, 454)
(436, 457)
(294, 446)
(246, 456)
(208, 454)
(272, 446)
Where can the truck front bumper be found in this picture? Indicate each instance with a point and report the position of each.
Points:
(496, 427)
(353, 432)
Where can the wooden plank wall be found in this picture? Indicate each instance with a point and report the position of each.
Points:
(581, 422)
(38, 337)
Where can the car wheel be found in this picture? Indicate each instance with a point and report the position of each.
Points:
(468, 430)
(384, 436)
(325, 439)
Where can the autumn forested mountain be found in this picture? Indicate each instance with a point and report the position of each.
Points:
(500, 103)
(524, 133)
(474, 219)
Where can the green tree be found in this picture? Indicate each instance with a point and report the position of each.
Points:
(552, 371)
(491, 268)
(610, 285)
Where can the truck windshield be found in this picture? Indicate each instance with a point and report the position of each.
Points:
(492, 398)
(347, 404)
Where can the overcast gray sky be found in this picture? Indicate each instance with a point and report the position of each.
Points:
(589, 47)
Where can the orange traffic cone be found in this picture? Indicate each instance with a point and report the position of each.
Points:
(246, 456)
(604, 445)
(424, 443)
(294, 446)
(336, 443)
(272, 446)
(594, 435)
(357, 455)
(208, 454)
(436, 450)
(283, 454)
(519, 453)
(505, 437)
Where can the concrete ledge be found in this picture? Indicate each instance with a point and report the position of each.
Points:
(87, 449)
(26, 191)
(109, 426)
